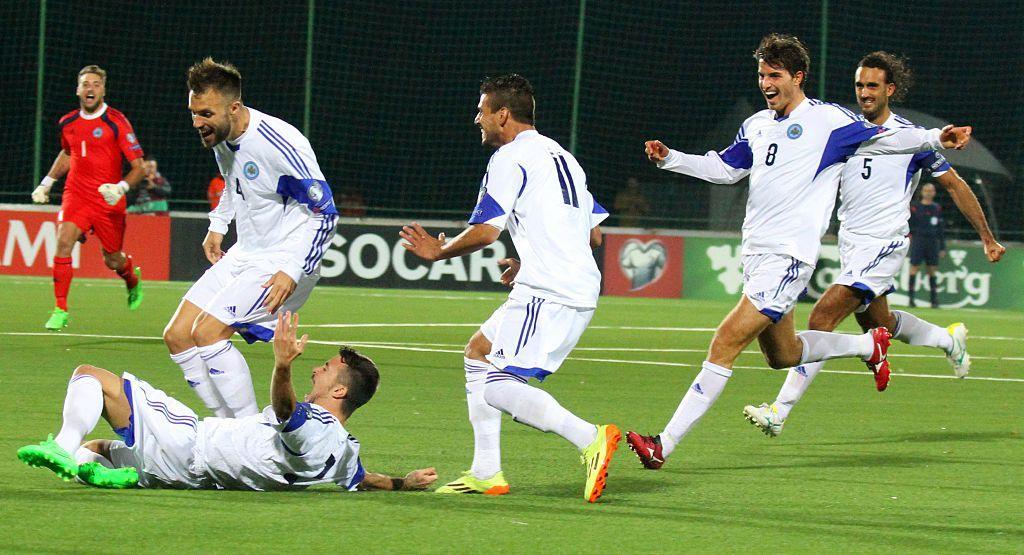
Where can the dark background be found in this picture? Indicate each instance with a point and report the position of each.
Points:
(394, 85)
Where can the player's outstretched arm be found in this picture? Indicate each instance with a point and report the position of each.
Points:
(427, 247)
(726, 167)
(968, 204)
(415, 480)
(286, 349)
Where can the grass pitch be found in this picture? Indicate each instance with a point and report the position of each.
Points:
(932, 464)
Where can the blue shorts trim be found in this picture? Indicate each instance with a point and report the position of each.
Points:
(537, 373)
(127, 433)
(775, 315)
(252, 333)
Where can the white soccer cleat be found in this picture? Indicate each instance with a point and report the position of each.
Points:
(765, 417)
(957, 356)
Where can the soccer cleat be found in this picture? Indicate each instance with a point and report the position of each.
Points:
(882, 373)
(47, 454)
(135, 293)
(881, 338)
(58, 320)
(495, 485)
(97, 475)
(595, 459)
(957, 356)
(765, 417)
(647, 448)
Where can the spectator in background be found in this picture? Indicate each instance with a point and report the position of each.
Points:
(630, 204)
(152, 192)
(351, 202)
(214, 190)
(927, 240)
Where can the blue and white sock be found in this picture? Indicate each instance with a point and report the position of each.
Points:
(536, 408)
(703, 393)
(83, 406)
(230, 376)
(485, 419)
(914, 331)
(198, 378)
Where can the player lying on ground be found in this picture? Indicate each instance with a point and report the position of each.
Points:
(539, 191)
(94, 139)
(875, 193)
(290, 445)
(794, 153)
(284, 217)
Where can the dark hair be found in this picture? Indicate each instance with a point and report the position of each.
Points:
(361, 379)
(896, 71)
(93, 68)
(786, 52)
(220, 76)
(510, 91)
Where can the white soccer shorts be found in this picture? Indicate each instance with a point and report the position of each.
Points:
(159, 440)
(870, 264)
(232, 292)
(774, 282)
(531, 337)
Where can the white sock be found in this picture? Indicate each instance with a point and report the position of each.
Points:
(195, 371)
(915, 331)
(703, 392)
(824, 345)
(230, 376)
(84, 455)
(536, 408)
(83, 406)
(486, 421)
(797, 381)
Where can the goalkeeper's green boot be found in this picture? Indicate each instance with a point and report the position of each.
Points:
(58, 320)
(95, 474)
(47, 454)
(495, 485)
(135, 293)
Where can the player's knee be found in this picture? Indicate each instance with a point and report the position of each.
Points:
(779, 361)
(820, 322)
(85, 370)
(478, 347)
(113, 262)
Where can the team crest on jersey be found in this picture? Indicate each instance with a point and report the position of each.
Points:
(251, 170)
(794, 131)
(316, 192)
(130, 137)
(98, 132)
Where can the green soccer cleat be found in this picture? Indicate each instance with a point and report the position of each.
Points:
(596, 458)
(135, 293)
(58, 320)
(957, 356)
(47, 454)
(495, 485)
(95, 474)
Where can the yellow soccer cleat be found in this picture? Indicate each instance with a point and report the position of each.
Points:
(957, 356)
(595, 459)
(495, 485)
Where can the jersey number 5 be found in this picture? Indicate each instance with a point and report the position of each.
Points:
(866, 174)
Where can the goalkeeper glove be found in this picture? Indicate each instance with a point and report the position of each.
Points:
(41, 194)
(112, 192)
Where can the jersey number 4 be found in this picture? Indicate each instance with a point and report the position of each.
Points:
(238, 188)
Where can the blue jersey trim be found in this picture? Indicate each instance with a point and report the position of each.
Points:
(738, 155)
(286, 150)
(316, 194)
(127, 433)
(486, 209)
(523, 186)
(598, 209)
(298, 417)
(844, 142)
(538, 374)
(252, 333)
(359, 476)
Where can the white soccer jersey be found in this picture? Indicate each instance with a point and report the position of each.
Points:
(283, 208)
(794, 163)
(875, 192)
(259, 452)
(536, 189)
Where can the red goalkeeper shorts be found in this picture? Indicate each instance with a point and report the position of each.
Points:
(107, 225)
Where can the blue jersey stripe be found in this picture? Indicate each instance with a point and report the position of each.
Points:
(290, 146)
(289, 156)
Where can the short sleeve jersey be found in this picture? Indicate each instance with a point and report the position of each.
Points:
(97, 144)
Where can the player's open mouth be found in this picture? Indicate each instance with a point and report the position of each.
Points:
(205, 132)
(771, 94)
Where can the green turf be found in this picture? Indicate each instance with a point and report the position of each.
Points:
(930, 465)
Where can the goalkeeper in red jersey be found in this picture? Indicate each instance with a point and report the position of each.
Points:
(93, 140)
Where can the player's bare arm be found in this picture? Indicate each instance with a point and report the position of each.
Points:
(287, 348)
(968, 204)
(281, 287)
(59, 168)
(415, 480)
(211, 246)
(596, 237)
(428, 247)
(656, 150)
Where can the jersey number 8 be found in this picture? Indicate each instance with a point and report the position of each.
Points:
(772, 149)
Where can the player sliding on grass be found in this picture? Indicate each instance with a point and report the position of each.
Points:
(793, 152)
(537, 189)
(94, 139)
(876, 192)
(284, 216)
(290, 445)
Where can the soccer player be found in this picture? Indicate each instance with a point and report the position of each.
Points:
(284, 217)
(875, 193)
(94, 140)
(793, 152)
(927, 241)
(290, 445)
(537, 190)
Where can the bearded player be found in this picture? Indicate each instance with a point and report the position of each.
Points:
(93, 140)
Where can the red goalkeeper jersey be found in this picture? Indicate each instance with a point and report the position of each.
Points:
(96, 142)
